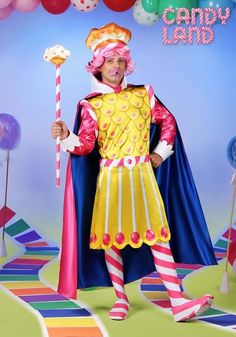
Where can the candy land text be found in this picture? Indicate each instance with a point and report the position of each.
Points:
(199, 22)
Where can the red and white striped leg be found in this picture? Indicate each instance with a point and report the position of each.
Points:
(115, 267)
(182, 308)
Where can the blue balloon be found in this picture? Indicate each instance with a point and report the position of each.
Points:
(9, 132)
(233, 14)
(231, 152)
(215, 4)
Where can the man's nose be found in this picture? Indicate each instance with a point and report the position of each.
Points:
(116, 64)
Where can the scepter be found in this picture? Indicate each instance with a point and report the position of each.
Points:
(231, 154)
(57, 55)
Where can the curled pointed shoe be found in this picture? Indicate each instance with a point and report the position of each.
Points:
(192, 308)
(120, 310)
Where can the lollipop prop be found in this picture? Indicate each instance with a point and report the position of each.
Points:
(57, 55)
(231, 154)
(9, 139)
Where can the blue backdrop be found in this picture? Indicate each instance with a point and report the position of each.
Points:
(197, 83)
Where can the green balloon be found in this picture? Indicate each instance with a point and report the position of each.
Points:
(150, 6)
(175, 4)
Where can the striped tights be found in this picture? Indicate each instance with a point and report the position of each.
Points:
(115, 267)
(182, 308)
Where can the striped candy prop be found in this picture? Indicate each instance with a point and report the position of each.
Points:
(9, 139)
(231, 155)
(57, 55)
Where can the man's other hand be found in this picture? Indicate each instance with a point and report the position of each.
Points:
(156, 159)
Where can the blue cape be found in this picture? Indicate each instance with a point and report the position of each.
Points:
(190, 240)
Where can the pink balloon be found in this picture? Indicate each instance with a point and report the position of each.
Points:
(4, 3)
(25, 5)
(5, 12)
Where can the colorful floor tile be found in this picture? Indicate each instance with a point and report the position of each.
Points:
(61, 316)
(64, 317)
(153, 289)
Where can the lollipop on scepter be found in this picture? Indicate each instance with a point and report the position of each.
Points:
(57, 55)
(231, 154)
(9, 139)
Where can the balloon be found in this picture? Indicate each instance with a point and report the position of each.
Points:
(1, 132)
(175, 4)
(84, 5)
(215, 4)
(142, 17)
(25, 5)
(56, 6)
(4, 3)
(231, 152)
(233, 13)
(10, 132)
(5, 12)
(119, 5)
(150, 6)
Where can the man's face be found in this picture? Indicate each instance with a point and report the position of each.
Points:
(113, 70)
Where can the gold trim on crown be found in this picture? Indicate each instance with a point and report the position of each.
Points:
(99, 37)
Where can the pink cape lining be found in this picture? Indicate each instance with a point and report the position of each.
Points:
(67, 285)
(68, 264)
(68, 280)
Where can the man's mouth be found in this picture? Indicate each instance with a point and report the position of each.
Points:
(115, 72)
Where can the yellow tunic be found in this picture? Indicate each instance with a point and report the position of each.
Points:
(128, 207)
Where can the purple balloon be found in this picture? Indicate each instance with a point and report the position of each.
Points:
(9, 132)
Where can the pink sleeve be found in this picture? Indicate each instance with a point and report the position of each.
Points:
(87, 132)
(160, 115)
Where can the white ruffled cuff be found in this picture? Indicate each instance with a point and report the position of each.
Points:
(69, 143)
(163, 149)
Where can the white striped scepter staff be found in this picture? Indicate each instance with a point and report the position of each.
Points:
(57, 55)
(58, 117)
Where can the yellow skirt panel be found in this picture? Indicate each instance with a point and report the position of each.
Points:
(128, 209)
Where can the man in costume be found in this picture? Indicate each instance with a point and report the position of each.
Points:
(115, 228)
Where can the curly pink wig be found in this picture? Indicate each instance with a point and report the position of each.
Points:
(109, 50)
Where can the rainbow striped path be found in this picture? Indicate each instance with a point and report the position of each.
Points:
(60, 316)
(154, 290)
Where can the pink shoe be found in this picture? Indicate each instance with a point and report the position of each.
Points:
(119, 310)
(192, 308)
